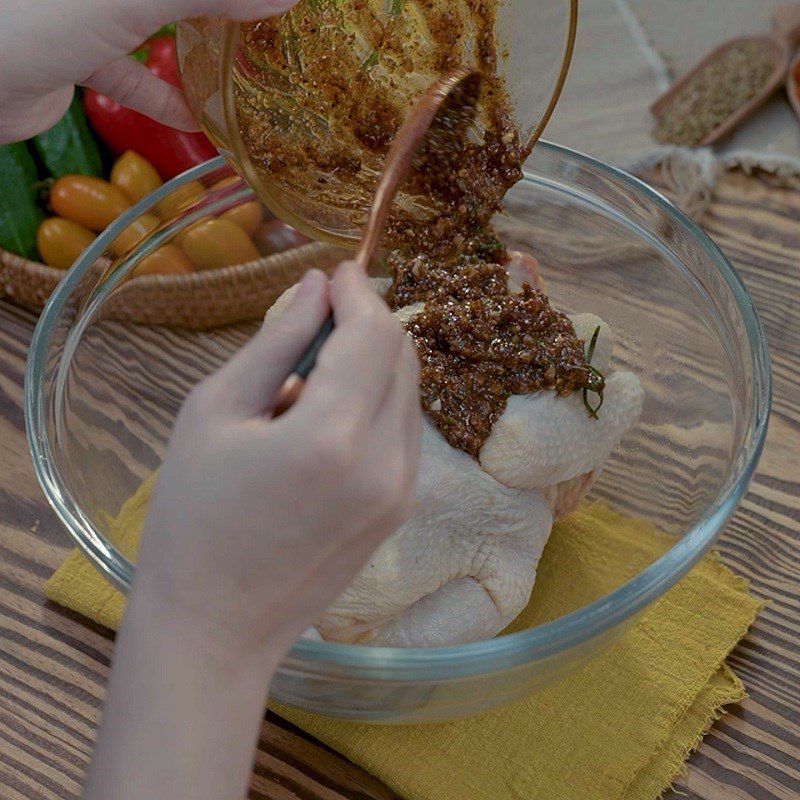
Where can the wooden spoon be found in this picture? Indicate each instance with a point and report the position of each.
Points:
(779, 45)
(440, 119)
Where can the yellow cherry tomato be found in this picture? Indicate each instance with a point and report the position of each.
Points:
(61, 241)
(218, 243)
(135, 176)
(181, 198)
(247, 216)
(179, 236)
(89, 201)
(134, 234)
(167, 260)
(229, 181)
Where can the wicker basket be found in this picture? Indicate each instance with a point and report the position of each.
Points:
(197, 301)
(27, 282)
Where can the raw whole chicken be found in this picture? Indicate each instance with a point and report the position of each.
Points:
(463, 566)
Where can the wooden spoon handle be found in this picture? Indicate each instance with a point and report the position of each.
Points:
(293, 385)
(306, 363)
(460, 87)
(786, 23)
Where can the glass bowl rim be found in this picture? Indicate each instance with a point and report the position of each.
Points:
(476, 658)
(271, 196)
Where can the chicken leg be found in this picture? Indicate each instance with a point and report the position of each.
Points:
(459, 570)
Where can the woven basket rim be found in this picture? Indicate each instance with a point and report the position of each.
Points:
(184, 279)
(197, 301)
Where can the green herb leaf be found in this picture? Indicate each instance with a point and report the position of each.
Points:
(595, 380)
(397, 7)
(489, 247)
(371, 60)
(592, 345)
(290, 41)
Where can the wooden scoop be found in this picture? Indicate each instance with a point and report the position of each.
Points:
(440, 119)
(793, 86)
(779, 46)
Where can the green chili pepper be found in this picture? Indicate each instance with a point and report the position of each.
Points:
(19, 214)
(69, 148)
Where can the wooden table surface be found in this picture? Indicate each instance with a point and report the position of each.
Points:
(53, 666)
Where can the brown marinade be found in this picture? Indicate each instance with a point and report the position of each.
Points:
(478, 343)
(338, 92)
(337, 72)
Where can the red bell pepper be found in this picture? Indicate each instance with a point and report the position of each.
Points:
(169, 150)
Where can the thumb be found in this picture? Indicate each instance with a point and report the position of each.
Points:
(26, 117)
(131, 84)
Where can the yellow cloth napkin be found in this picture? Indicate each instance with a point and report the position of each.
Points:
(619, 729)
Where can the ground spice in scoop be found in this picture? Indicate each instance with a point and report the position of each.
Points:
(714, 93)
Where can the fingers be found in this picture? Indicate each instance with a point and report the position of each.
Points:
(249, 382)
(356, 367)
(398, 422)
(29, 116)
(398, 430)
(390, 469)
(360, 414)
(378, 472)
(132, 85)
(144, 16)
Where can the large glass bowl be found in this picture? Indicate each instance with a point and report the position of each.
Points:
(101, 394)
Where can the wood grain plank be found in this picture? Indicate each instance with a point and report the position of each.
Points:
(754, 752)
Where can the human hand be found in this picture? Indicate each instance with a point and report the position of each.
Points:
(45, 50)
(257, 524)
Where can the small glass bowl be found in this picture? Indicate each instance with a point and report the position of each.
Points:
(102, 391)
(533, 40)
